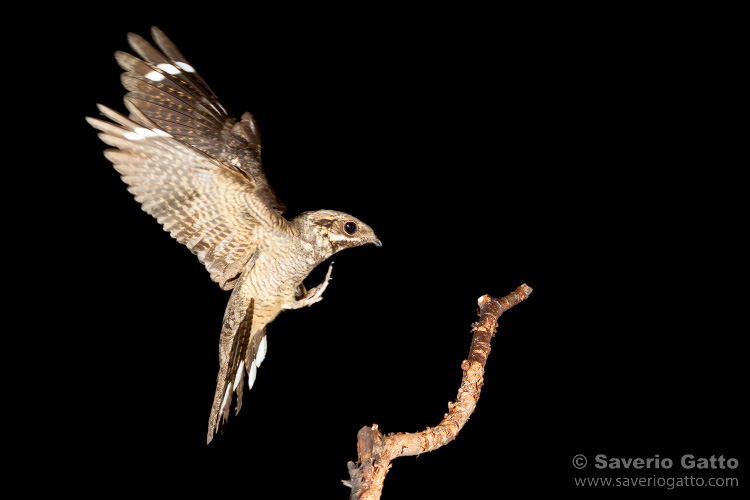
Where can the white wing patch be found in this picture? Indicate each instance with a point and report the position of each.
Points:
(145, 132)
(161, 133)
(155, 76)
(168, 68)
(185, 67)
(132, 136)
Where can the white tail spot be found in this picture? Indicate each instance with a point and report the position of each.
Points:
(251, 373)
(133, 136)
(226, 396)
(155, 76)
(168, 68)
(185, 66)
(262, 349)
(239, 375)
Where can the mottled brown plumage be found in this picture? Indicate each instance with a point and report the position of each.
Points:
(197, 170)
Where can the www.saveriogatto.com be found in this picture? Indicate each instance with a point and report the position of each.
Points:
(687, 470)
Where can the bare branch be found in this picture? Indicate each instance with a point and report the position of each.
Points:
(375, 451)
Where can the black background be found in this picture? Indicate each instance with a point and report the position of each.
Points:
(587, 154)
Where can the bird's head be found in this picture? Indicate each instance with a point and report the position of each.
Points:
(335, 229)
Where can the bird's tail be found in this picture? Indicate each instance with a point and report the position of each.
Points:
(241, 350)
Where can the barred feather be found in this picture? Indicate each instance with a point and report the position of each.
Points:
(203, 204)
(168, 90)
(241, 351)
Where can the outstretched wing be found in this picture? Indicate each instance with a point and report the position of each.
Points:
(211, 209)
(188, 163)
(168, 90)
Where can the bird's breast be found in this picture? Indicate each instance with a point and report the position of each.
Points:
(275, 276)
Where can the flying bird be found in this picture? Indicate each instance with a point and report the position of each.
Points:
(198, 171)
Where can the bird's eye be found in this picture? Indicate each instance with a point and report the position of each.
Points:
(350, 228)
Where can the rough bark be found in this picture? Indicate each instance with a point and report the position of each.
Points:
(376, 451)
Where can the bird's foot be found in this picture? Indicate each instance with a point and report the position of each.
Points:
(314, 295)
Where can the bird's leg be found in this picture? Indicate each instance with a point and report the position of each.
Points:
(314, 295)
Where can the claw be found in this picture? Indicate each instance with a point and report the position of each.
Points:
(314, 295)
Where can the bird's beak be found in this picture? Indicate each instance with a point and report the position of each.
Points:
(377, 242)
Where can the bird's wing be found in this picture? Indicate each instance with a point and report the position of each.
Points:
(168, 90)
(188, 163)
(212, 209)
